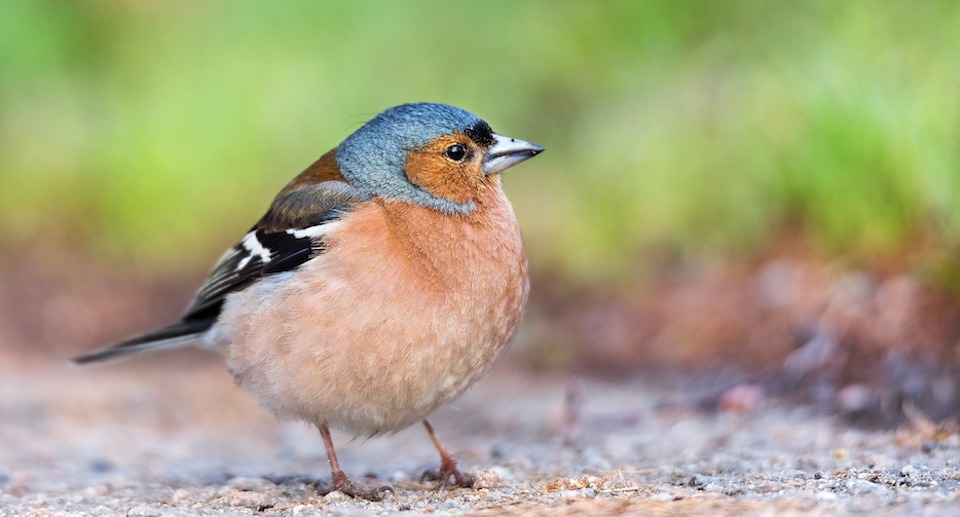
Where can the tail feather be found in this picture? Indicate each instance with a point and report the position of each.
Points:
(173, 336)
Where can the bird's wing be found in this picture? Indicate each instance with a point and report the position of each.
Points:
(290, 234)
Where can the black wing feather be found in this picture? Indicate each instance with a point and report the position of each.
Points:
(181, 331)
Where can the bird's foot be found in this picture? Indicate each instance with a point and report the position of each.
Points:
(347, 487)
(448, 472)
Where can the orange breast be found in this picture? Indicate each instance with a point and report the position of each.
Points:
(404, 311)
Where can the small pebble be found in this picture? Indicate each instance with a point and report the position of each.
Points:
(247, 483)
(794, 475)
(244, 498)
(700, 480)
(398, 476)
(769, 487)
(860, 486)
(742, 398)
(713, 488)
(336, 495)
(733, 491)
(143, 511)
(662, 496)
(179, 495)
(100, 466)
(486, 479)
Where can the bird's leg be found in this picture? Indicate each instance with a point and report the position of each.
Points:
(448, 465)
(340, 480)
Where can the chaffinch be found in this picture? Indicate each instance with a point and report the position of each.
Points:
(383, 281)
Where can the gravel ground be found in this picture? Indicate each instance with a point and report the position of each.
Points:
(174, 436)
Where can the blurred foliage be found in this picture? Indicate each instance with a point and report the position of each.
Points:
(160, 130)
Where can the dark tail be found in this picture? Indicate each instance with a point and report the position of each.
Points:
(174, 336)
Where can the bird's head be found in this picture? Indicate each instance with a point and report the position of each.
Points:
(433, 155)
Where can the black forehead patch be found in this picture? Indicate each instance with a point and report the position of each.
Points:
(481, 134)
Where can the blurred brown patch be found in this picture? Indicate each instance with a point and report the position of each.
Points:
(858, 342)
(54, 302)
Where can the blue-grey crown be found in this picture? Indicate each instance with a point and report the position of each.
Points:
(372, 159)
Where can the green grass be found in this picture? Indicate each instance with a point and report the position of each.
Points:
(160, 130)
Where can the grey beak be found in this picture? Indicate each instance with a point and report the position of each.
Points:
(507, 152)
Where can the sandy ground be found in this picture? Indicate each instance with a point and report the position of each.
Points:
(174, 436)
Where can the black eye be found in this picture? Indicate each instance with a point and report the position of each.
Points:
(455, 152)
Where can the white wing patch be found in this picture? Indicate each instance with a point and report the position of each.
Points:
(254, 248)
(314, 232)
(252, 245)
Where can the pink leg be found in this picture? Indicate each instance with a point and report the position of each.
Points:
(340, 480)
(448, 465)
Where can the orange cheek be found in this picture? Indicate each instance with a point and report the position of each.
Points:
(438, 176)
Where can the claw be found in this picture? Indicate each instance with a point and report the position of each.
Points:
(448, 471)
(354, 490)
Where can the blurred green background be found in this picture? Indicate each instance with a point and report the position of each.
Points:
(159, 131)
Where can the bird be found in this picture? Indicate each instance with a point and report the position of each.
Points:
(382, 282)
